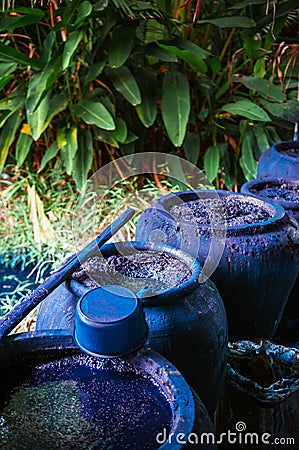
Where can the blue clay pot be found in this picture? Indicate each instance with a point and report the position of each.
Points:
(279, 162)
(261, 188)
(54, 396)
(257, 269)
(187, 323)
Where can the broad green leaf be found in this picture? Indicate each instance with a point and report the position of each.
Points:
(211, 162)
(106, 136)
(121, 131)
(186, 44)
(158, 53)
(241, 5)
(147, 109)
(264, 87)
(37, 118)
(259, 68)
(281, 10)
(121, 45)
(23, 146)
(251, 47)
(84, 10)
(41, 83)
(68, 143)
(7, 137)
(288, 110)
(247, 161)
(101, 5)
(230, 22)
(7, 68)
(247, 109)
(21, 17)
(70, 47)
(94, 71)
(261, 137)
(175, 105)
(69, 11)
(47, 47)
(57, 104)
(192, 147)
(11, 105)
(131, 137)
(155, 31)
(5, 80)
(194, 62)
(51, 152)
(10, 54)
(94, 114)
(83, 158)
(125, 83)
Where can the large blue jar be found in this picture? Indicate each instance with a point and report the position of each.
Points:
(113, 394)
(286, 193)
(187, 322)
(280, 161)
(259, 263)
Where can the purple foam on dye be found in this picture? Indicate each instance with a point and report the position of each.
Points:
(282, 190)
(84, 402)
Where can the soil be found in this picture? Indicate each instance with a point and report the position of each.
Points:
(148, 270)
(284, 191)
(235, 210)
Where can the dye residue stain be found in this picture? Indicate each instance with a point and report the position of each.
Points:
(80, 407)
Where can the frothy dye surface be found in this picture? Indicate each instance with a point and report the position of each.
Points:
(76, 406)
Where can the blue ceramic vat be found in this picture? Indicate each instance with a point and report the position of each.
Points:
(263, 188)
(259, 264)
(111, 396)
(279, 161)
(187, 323)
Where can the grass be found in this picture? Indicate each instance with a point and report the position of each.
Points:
(36, 225)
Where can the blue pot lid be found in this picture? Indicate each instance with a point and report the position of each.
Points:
(109, 322)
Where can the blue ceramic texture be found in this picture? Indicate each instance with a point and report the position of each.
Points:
(276, 163)
(113, 403)
(292, 208)
(187, 324)
(258, 267)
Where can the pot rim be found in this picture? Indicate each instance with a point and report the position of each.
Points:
(290, 144)
(259, 183)
(278, 210)
(168, 294)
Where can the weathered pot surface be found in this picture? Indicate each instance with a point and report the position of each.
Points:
(259, 263)
(186, 319)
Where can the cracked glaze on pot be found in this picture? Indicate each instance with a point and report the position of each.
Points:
(258, 266)
(187, 323)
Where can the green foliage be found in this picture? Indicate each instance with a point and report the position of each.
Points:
(94, 77)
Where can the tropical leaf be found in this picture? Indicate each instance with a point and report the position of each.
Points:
(147, 109)
(94, 114)
(175, 105)
(8, 136)
(70, 47)
(84, 10)
(23, 146)
(121, 131)
(125, 83)
(186, 55)
(211, 162)
(264, 87)
(288, 110)
(51, 152)
(68, 143)
(247, 161)
(230, 22)
(121, 45)
(83, 159)
(21, 17)
(247, 109)
(10, 54)
(37, 118)
(191, 147)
